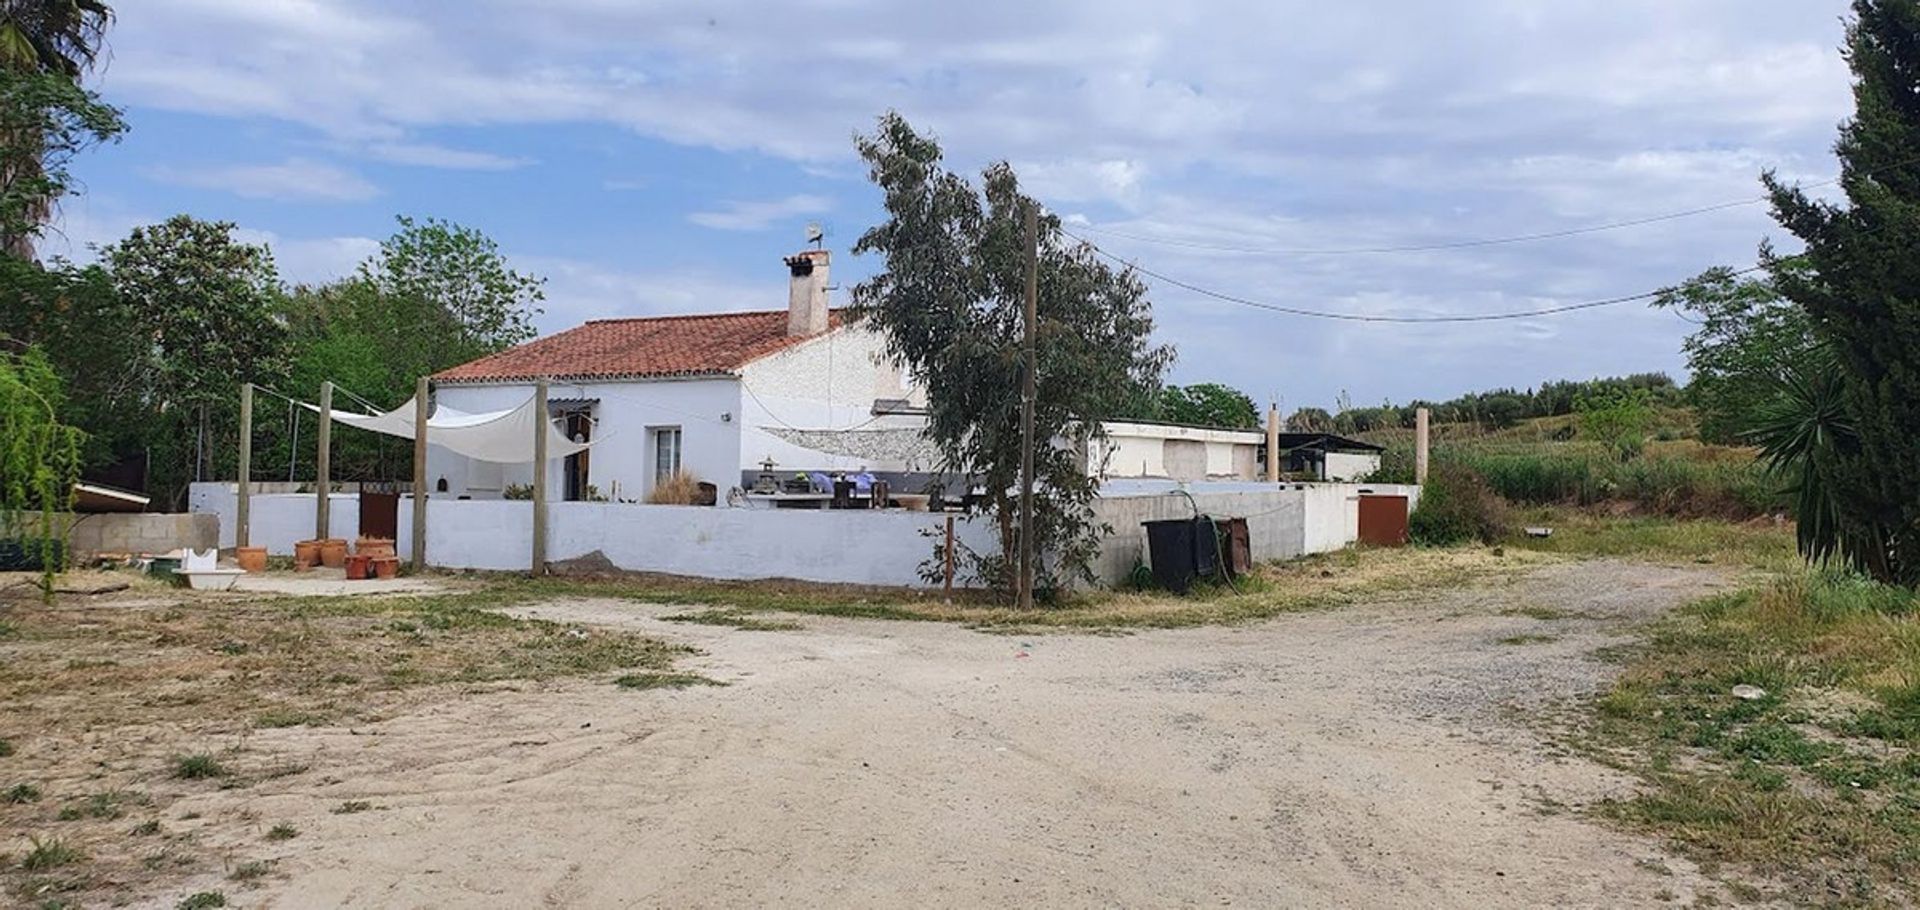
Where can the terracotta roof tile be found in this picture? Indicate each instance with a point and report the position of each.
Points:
(641, 348)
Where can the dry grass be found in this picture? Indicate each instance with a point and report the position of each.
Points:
(157, 693)
(1317, 582)
(680, 489)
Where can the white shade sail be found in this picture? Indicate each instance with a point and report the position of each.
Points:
(504, 437)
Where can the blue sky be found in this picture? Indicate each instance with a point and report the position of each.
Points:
(662, 157)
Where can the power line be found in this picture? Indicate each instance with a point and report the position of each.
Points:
(1368, 317)
(1452, 245)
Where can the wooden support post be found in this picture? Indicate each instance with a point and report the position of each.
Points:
(1027, 394)
(949, 572)
(322, 464)
(540, 477)
(1273, 443)
(243, 505)
(1421, 422)
(420, 392)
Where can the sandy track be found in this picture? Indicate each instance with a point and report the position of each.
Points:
(1362, 757)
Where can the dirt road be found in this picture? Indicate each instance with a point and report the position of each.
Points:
(1361, 757)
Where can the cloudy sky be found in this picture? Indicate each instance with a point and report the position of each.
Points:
(661, 157)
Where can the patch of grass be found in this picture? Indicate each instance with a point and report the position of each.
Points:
(204, 900)
(1756, 544)
(734, 619)
(6, 748)
(108, 805)
(1528, 639)
(251, 871)
(1318, 582)
(280, 718)
(19, 794)
(282, 831)
(51, 853)
(198, 767)
(664, 681)
(1817, 780)
(146, 828)
(352, 806)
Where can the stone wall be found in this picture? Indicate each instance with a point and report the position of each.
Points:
(141, 532)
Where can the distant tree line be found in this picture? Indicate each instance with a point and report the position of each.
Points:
(1495, 409)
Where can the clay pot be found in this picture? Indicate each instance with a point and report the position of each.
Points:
(333, 552)
(306, 554)
(252, 559)
(357, 566)
(386, 566)
(375, 547)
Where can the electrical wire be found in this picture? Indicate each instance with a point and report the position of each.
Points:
(1476, 242)
(1369, 317)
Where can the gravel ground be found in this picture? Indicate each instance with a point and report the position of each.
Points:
(1362, 757)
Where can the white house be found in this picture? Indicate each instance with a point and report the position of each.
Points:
(715, 395)
(1138, 449)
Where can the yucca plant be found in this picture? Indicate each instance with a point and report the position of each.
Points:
(1801, 430)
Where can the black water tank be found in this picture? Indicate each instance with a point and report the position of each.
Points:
(1181, 550)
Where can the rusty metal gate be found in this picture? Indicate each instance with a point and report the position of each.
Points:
(379, 510)
(1383, 520)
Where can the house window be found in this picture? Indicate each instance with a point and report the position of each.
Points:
(666, 452)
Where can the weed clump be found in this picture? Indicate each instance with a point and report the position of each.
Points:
(198, 767)
(1456, 506)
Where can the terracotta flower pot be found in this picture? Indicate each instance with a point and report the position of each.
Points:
(333, 552)
(306, 554)
(252, 559)
(357, 567)
(386, 567)
(375, 547)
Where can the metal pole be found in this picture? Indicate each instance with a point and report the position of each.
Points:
(420, 474)
(1027, 394)
(243, 504)
(322, 463)
(540, 477)
(1421, 446)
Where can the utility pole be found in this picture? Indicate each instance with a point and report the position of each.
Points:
(420, 474)
(243, 505)
(1027, 394)
(322, 462)
(540, 425)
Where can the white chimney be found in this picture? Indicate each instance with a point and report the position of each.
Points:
(807, 293)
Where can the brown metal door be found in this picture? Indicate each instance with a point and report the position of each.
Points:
(1383, 520)
(379, 514)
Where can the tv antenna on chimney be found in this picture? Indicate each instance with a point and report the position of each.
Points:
(815, 234)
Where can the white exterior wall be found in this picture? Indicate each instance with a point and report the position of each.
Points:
(277, 519)
(826, 383)
(707, 411)
(1351, 466)
(844, 547)
(1139, 450)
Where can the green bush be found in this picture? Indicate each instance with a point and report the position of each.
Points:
(1457, 505)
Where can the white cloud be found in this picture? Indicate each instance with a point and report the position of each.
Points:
(758, 216)
(1256, 124)
(428, 155)
(293, 180)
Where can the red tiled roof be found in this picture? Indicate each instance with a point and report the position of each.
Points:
(641, 348)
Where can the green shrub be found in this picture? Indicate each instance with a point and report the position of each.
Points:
(1457, 505)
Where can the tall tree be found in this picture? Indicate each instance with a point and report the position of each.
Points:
(448, 292)
(39, 462)
(949, 304)
(1749, 338)
(206, 309)
(61, 37)
(1861, 291)
(45, 46)
(1207, 404)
